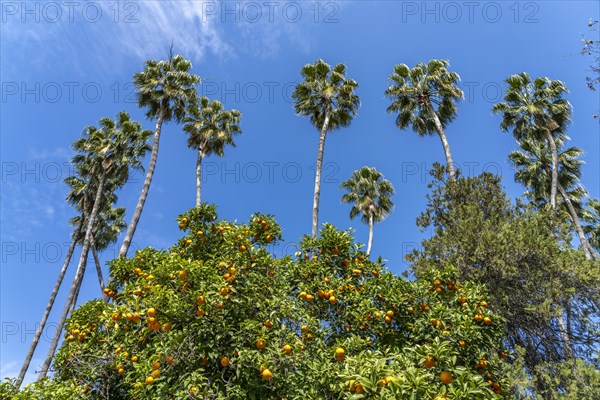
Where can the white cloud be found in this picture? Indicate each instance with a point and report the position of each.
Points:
(145, 29)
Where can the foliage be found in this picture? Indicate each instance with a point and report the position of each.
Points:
(217, 316)
(414, 90)
(369, 193)
(524, 259)
(326, 91)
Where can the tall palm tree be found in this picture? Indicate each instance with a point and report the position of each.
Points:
(163, 88)
(424, 98)
(328, 98)
(210, 128)
(106, 158)
(371, 197)
(536, 109)
(534, 170)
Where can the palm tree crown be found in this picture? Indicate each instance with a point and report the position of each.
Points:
(371, 197)
(415, 89)
(166, 85)
(210, 126)
(326, 91)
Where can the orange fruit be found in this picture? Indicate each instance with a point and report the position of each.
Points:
(242, 248)
(332, 300)
(260, 343)
(309, 297)
(429, 362)
(446, 377)
(340, 354)
(390, 314)
(151, 312)
(462, 343)
(487, 320)
(156, 365)
(287, 349)
(155, 374)
(225, 361)
(149, 380)
(478, 317)
(268, 324)
(267, 374)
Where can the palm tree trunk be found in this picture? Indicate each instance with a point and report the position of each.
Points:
(145, 187)
(553, 187)
(78, 276)
(589, 251)
(98, 266)
(40, 329)
(199, 177)
(445, 144)
(319, 167)
(79, 284)
(370, 234)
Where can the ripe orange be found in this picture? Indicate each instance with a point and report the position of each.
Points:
(483, 303)
(332, 300)
(304, 329)
(478, 317)
(223, 291)
(487, 320)
(149, 380)
(134, 358)
(156, 365)
(225, 361)
(340, 354)
(302, 295)
(167, 327)
(390, 314)
(268, 324)
(156, 373)
(387, 320)
(446, 377)
(120, 371)
(429, 362)
(200, 300)
(242, 248)
(287, 349)
(309, 297)
(151, 312)
(260, 343)
(267, 374)
(462, 343)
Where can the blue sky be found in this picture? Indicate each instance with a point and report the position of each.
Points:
(66, 66)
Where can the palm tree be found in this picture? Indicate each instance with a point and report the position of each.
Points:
(534, 170)
(371, 196)
(163, 88)
(106, 157)
(537, 110)
(210, 128)
(424, 98)
(327, 97)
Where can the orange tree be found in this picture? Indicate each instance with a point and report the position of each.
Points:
(218, 317)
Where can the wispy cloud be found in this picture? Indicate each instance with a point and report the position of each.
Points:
(108, 34)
